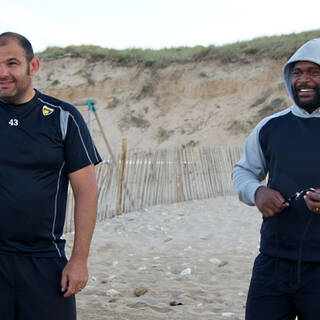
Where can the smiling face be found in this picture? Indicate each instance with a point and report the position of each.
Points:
(306, 85)
(16, 74)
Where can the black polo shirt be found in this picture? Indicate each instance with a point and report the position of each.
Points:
(41, 142)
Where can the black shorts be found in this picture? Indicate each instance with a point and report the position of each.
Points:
(30, 289)
(275, 292)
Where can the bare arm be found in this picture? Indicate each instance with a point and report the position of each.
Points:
(84, 186)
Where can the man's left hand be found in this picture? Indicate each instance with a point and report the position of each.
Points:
(312, 199)
(74, 277)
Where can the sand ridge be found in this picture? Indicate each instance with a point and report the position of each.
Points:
(207, 102)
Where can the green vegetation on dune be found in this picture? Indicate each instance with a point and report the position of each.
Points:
(274, 47)
(135, 55)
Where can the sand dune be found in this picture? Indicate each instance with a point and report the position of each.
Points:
(207, 102)
(190, 260)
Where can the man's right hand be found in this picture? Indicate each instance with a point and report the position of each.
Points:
(269, 201)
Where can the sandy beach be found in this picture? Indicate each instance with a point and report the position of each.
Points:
(189, 260)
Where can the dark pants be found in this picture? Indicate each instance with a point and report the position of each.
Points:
(30, 289)
(276, 293)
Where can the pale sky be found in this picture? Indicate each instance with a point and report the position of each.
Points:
(121, 24)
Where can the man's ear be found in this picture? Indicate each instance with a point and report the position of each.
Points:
(34, 66)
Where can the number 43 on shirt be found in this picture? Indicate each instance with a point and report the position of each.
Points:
(14, 122)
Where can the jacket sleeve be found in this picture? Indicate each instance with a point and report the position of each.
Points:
(250, 170)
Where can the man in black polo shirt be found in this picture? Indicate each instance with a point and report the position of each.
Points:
(44, 144)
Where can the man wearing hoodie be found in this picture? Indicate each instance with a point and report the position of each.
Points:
(285, 279)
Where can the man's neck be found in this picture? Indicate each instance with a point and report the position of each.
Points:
(21, 100)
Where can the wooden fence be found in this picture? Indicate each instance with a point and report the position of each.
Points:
(140, 179)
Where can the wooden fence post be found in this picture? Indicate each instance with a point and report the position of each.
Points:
(123, 165)
(180, 174)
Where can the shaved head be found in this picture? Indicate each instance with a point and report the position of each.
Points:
(25, 44)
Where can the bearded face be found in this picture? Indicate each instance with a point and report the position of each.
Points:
(306, 85)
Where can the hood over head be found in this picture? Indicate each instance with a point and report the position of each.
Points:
(310, 51)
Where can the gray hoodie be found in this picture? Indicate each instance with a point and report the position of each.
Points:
(310, 51)
(252, 167)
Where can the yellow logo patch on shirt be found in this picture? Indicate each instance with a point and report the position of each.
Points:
(46, 110)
